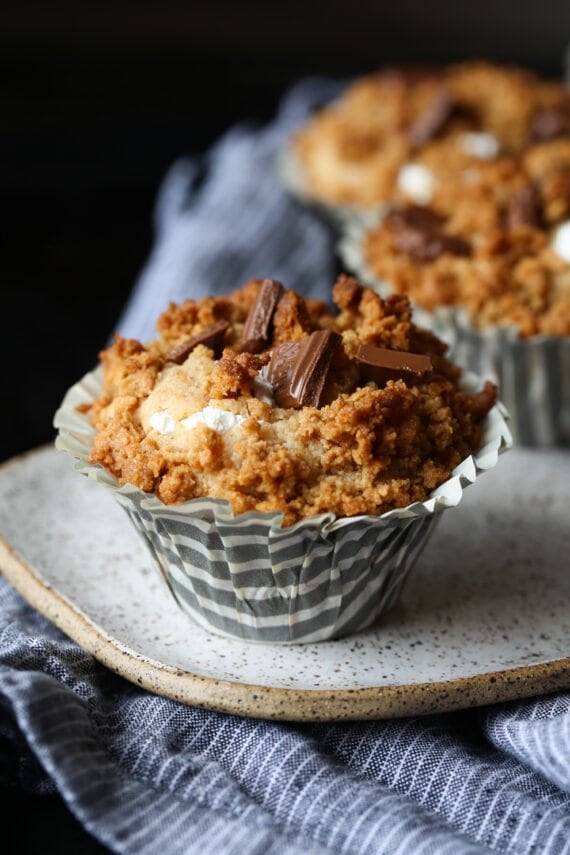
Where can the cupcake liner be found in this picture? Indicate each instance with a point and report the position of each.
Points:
(533, 375)
(249, 577)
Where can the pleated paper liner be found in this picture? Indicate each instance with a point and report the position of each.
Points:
(533, 374)
(249, 577)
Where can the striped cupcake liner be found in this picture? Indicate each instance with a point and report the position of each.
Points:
(533, 375)
(249, 577)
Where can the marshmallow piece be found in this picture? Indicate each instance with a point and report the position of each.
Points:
(417, 182)
(481, 145)
(162, 422)
(561, 241)
(215, 418)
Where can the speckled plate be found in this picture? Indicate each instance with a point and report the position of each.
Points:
(486, 615)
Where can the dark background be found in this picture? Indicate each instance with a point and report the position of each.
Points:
(97, 100)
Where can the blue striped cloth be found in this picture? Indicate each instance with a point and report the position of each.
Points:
(145, 774)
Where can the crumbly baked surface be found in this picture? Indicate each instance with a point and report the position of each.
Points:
(366, 449)
(548, 167)
(449, 121)
(510, 276)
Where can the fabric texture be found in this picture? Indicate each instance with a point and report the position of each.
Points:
(145, 774)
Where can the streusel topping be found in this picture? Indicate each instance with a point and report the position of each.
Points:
(354, 412)
(515, 272)
(410, 132)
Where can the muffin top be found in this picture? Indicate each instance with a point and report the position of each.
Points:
(409, 132)
(498, 259)
(275, 403)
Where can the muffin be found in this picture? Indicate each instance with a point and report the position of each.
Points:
(493, 277)
(409, 133)
(284, 463)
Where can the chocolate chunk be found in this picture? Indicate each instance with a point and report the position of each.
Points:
(419, 232)
(549, 123)
(453, 245)
(523, 208)
(380, 365)
(257, 328)
(212, 337)
(298, 370)
(433, 119)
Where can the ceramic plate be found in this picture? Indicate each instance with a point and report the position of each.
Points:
(485, 617)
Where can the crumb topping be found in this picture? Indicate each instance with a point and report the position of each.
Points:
(210, 426)
(408, 133)
(514, 274)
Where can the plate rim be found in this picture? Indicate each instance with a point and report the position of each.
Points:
(270, 702)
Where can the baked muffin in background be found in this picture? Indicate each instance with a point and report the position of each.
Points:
(402, 133)
(284, 463)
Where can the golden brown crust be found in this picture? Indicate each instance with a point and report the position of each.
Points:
(548, 164)
(292, 320)
(366, 450)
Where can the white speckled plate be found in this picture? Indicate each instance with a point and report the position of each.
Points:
(486, 615)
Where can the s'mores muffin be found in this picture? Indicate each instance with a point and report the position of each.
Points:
(418, 134)
(283, 462)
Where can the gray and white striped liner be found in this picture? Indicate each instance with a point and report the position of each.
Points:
(533, 375)
(248, 577)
